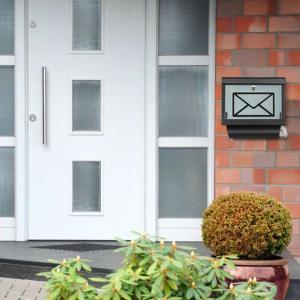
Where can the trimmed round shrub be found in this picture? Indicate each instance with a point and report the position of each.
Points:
(246, 224)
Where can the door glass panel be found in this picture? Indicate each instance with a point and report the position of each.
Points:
(182, 182)
(7, 103)
(86, 186)
(86, 105)
(7, 182)
(86, 25)
(183, 101)
(183, 27)
(7, 20)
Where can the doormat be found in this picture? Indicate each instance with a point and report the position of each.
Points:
(82, 247)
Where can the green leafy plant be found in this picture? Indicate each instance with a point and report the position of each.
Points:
(246, 224)
(66, 280)
(250, 290)
(157, 271)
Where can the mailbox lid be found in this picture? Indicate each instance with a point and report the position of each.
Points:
(253, 80)
(253, 101)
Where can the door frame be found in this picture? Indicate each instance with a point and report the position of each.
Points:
(151, 124)
(21, 122)
(151, 120)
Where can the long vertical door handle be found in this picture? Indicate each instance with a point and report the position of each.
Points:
(44, 104)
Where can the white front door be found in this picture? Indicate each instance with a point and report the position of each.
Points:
(86, 118)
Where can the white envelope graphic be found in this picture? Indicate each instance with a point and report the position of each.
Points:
(253, 105)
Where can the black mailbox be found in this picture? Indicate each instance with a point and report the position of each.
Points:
(253, 107)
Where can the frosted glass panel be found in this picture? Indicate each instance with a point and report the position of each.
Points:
(183, 101)
(7, 27)
(7, 103)
(7, 182)
(183, 27)
(86, 105)
(182, 183)
(86, 25)
(86, 186)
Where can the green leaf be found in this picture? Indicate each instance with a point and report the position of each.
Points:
(122, 242)
(73, 297)
(79, 279)
(80, 296)
(99, 279)
(187, 248)
(121, 249)
(54, 294)
(177, 263)
(230, 264)
(172, 275)
(189, 293)
(124, 295)
(196, 295)
(172, 284)
(210, 275)
(116, 296)
(273, 291)
(214, 282)
(152, 268)
(54, 261)
(86, 267)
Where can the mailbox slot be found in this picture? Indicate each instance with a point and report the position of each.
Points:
(253, 107)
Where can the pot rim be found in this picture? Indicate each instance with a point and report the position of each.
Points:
(276, 261)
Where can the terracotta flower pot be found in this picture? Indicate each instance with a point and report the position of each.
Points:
(273, 270)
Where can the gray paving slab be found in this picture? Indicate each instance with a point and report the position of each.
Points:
(16, 289)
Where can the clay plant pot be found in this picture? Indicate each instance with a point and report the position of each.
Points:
(273, 270)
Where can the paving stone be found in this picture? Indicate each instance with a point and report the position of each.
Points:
(16, 289)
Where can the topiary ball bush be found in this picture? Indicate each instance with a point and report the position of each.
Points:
(246, 224)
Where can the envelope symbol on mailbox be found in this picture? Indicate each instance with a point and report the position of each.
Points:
(253, 105)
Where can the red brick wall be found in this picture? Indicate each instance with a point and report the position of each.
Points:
(260, 38)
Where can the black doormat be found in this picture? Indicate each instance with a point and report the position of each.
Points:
(82, 247)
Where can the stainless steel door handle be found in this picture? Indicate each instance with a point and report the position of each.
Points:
(44, 104)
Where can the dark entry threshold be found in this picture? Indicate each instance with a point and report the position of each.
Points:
(27, 269)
